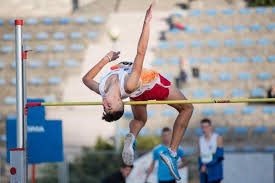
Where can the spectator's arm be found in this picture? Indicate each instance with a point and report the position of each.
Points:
(218, 156)
(149, 170)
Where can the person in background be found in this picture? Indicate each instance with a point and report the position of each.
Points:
(119, 176)
(211, 154)
(181, 79)
(164, 175)
(271, 92)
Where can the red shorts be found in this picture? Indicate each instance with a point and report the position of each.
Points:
(158, 92)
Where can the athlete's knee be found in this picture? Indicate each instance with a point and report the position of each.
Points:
(186, 108)
(141, 119)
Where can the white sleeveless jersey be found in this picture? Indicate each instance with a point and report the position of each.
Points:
(208, 147)
(121, 72)
(148, 80)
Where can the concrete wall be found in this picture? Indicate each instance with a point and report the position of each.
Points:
(252, 168)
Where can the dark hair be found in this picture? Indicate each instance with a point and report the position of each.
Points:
(166, 129)
(123, 165)
(206, 120)
(113, 116)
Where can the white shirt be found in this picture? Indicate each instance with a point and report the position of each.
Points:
(208, 147)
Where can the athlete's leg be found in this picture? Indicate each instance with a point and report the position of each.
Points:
(180, 125)
(185, 113)
(140, 118)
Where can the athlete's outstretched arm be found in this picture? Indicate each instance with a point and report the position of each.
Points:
(88, 79)
(133, 80)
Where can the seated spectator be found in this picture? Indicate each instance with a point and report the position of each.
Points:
(271, 92)
(211, 154)
(183, 73)
(119, 176)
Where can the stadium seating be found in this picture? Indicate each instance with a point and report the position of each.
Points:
(205, 77)
(198, 131)
(10, 100)
(36, 81)
(59, 35)
(208, 112)
(206, 29)
(264, 76)
(71, 63)
(240, 130)
(249, 110)
(2, 65)
(229, 111)
(180, 44)
(228, 12)
(259, 130)
(257, 59)
(64, 20)
(81, 20)
(213, 43)
(48, 21)
(54, 80)
(237, 93)
(221, 130)
(59, 48)
(76, 35)
(6, 49)
(31, 21)
(2, 82)
(224, 60)
(240, 59)
(97, 20)
(169, 112)
(77, 47)
(271, 58)
(244, 76)
(92, 35)
(249, 149)
(35, 64)
(42, 36)
(41, 48)
(53, 63)
(218, 93)
(229, 149)
(175, 61)
(268, 110)
(27, 36)
(8, 37)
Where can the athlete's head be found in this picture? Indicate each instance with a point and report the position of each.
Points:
(113, 108)
(206, 126)
(166, 135)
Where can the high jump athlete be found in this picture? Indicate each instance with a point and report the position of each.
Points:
(131, 80)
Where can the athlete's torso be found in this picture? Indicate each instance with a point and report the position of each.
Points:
(148, 79)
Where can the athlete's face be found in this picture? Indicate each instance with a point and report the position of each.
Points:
(111, 104)
(206, 128)
(125, 171)
(166, 137)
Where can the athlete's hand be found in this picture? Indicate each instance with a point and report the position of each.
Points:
(149, 13)
(112, 55)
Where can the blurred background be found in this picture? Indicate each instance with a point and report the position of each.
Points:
(208, 48)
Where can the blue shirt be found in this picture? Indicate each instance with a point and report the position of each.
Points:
(163, 171)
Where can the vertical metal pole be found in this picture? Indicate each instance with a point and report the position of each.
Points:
(25, 124)
(20, 95)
